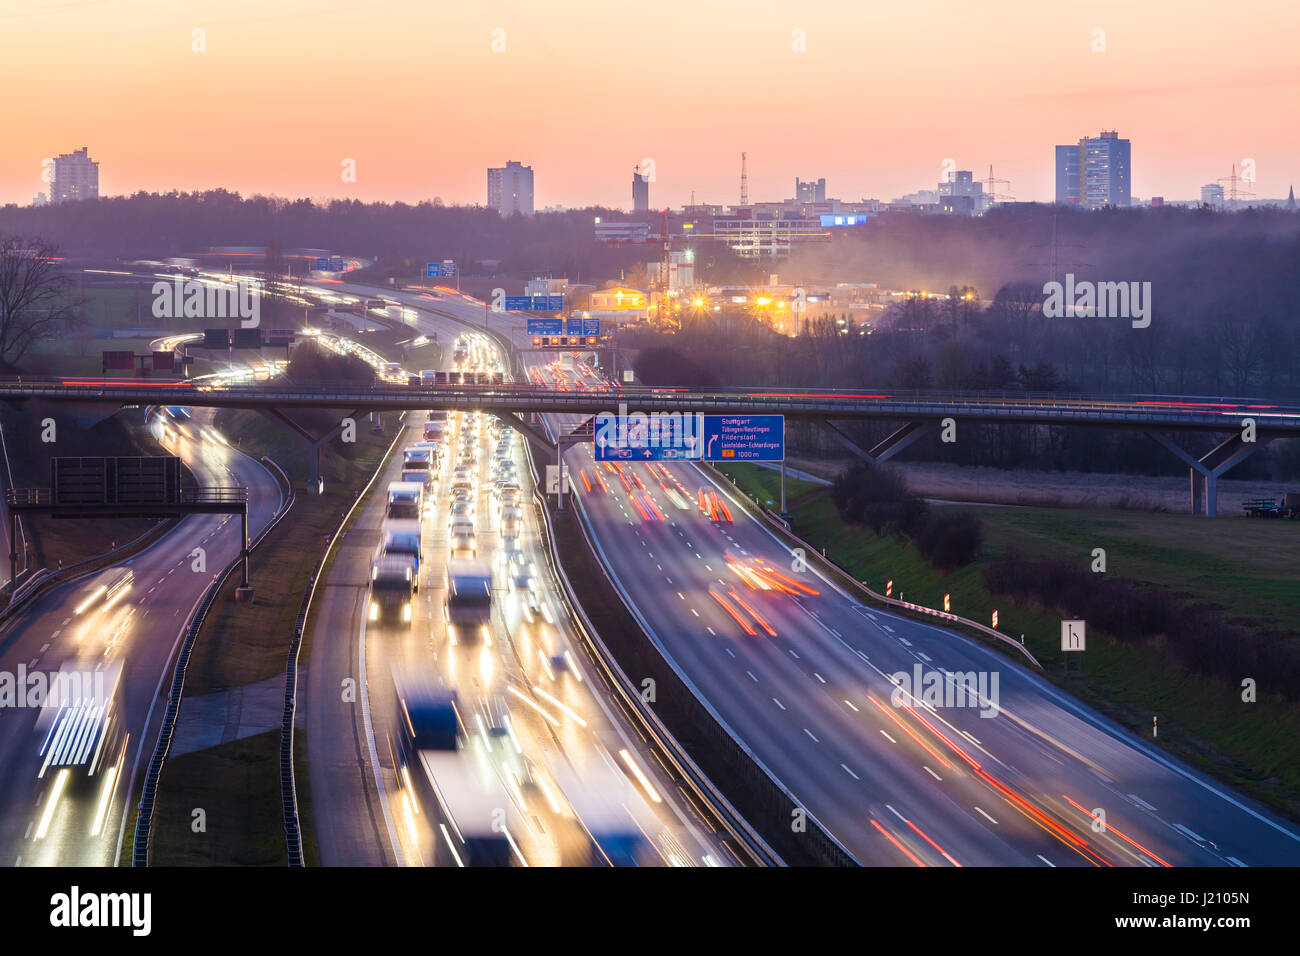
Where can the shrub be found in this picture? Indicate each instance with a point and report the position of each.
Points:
(878, 498)
(950, 541)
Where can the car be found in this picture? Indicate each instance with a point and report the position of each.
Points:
(524, 586)
(460, 508)
(461, 537)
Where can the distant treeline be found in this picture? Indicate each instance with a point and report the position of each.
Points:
(151, 225)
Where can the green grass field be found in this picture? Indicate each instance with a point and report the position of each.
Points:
(1203, 721)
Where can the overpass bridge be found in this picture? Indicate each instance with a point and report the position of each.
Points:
(1250, 424)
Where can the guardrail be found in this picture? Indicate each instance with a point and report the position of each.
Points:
(288, 780)
(36, 584)
(812, 551)
(655, 732)
(208, 495)
(153, 773)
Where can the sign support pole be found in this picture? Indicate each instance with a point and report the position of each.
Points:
(559, 468)
(782, 486)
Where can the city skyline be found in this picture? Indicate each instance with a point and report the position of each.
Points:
(1029, 80)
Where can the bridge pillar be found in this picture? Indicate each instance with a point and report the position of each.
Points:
(314, 441)
(886, 448)
(559, 469)
(1205, 472)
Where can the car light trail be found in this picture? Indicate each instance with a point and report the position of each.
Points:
(733, 612)
(533, 704)
(1112, 829)
(56, 790)
(894, 840)
(568, 710)
(754, 614)
(641, 778)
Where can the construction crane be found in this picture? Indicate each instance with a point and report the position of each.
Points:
(744, 181)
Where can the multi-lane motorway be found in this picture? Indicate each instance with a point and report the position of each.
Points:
(1045, 782)
(48, 821)
(1001, 768)
(565, 743)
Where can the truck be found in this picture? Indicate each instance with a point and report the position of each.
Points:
(400, 537)
(405, 499)
(468, 807)
(468, 609)
(417, 458)
(392, 589)
(433, 431)
(603, 803)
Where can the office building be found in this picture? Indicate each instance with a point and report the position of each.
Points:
(1212, 195)
(962, 194)
(76, 176)
(640, 191)
(1095, 173)
(510, 189)
(810, 190)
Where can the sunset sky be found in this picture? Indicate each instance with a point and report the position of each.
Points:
(584, 89)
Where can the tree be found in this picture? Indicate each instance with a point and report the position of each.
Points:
(34, 295)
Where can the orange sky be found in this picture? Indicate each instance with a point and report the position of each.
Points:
(413, 92)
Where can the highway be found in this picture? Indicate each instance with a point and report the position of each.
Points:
(895, 785)
(529, 678)
(45, 822)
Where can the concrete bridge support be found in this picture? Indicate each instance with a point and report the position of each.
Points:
(1204, 472)
(886, 448)
(315, 442)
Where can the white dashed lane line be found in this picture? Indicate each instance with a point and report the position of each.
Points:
(987, 817)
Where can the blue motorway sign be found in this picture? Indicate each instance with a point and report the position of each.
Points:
(582, 325)
(440, 270)
(535, 303)
(744, 437)
(676, 437)
(545, 326)
(322, 265)
(336, 264)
